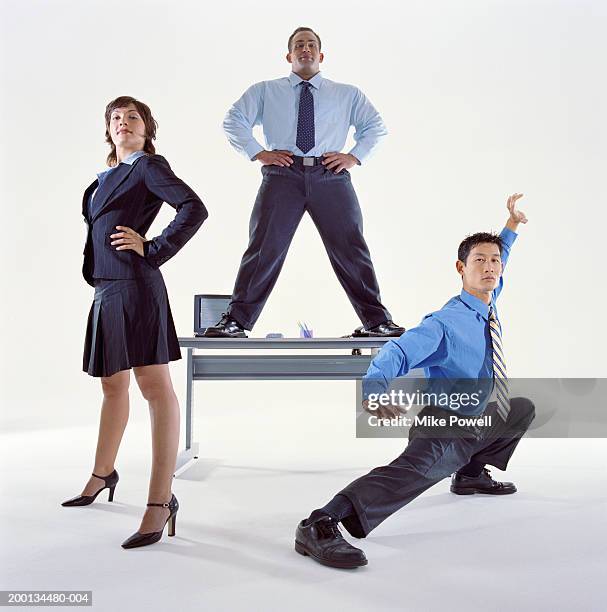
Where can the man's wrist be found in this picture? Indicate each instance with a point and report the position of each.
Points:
(512, 225)
(253, 149)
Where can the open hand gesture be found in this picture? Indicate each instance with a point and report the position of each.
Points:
(516, 216)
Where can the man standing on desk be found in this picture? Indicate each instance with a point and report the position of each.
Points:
(305, 120)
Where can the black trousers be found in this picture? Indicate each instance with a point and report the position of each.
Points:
(283, 197)
(429, 458)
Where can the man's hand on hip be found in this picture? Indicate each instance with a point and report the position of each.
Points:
(275, 158)
(339, 161)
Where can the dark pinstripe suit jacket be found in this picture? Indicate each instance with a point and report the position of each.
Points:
(132, 196)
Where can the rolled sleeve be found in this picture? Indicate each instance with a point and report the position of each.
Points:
(239, 121)
(368, 125)
(507, 237)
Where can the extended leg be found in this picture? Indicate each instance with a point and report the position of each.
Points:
(336, 213)
(370, 499)
(278, 210)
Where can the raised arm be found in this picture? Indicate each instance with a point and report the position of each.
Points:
(508, 235)
(516, 216)
(243, 115)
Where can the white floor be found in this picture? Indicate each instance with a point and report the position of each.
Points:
(541, 549)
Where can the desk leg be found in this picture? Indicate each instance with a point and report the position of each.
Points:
(187, 456)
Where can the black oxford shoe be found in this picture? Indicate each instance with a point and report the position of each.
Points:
(226, 328)
(469, 485)
(323, 541)
(389, 328)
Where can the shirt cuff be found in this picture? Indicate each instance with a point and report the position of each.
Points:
(373, 386)
(252, 149)
(508, 236)
(360, 152)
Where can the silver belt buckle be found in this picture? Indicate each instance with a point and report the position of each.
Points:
(308, 161)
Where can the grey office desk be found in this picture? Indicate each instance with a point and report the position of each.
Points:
(307, 365)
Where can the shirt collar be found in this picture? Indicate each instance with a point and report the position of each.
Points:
(129, 159)
(476, 304)
(315, 81)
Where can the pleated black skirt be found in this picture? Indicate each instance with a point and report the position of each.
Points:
(129, 325)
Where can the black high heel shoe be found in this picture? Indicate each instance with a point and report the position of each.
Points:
(110, 483)
(143, 539)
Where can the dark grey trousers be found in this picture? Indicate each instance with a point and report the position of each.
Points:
(284, 196)
(429, 458)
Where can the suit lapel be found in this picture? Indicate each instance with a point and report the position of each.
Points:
(109, 186)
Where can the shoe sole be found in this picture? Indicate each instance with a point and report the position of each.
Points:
(66, 503)
(223, 335)
(302, 550)
(375, 335)
(472, 491)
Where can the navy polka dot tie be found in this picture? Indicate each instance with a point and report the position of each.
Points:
(305, 119)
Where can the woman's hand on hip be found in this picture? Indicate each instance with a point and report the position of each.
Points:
(128, 238)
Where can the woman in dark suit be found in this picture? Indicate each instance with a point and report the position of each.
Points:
(130, 324)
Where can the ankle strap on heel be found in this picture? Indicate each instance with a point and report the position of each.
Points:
(171, 504)
(104, 477)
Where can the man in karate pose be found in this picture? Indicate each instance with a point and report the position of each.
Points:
(460, 342)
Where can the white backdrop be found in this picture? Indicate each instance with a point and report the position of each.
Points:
(481, 98)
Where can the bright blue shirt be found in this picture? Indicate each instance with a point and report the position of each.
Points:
(101, 176)
(452, 343)
(275, 105)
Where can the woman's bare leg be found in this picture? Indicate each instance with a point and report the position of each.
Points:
(114, 417)
(157, 388)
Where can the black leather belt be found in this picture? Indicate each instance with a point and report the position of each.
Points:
(308, 161)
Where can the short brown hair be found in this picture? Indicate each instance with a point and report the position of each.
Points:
(146, 114)
(302, 29)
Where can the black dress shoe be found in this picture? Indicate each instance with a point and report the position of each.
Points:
(110, 483)
(226, 328)
(389, 328)
(144, 539)
(323, 541)
(468, 485)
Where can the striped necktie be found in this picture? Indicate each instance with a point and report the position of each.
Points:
(305, 119)
(500, 376)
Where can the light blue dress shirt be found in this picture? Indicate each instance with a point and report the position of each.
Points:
(453, 344)
(129, 159)
(275, 105)
(101, 176)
